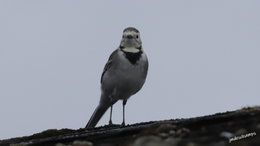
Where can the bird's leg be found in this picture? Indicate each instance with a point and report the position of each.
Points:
(111, 109)
(124, 103)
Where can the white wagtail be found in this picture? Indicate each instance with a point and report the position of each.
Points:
(124, 75)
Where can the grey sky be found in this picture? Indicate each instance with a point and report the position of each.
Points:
(204, 58)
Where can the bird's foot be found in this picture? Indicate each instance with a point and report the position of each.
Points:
(110, 123)
(123, 124)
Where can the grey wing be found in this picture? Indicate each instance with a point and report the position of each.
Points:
(108, 64)
(146, 66)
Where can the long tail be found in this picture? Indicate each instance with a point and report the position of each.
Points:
(96, 116)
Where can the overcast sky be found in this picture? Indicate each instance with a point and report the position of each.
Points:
(204, 58)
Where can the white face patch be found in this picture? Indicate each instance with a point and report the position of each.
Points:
(131, 49)
(130, 42)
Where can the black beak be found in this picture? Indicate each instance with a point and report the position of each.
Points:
(129, 36)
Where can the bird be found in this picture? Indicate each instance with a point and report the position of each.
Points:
(123, 76)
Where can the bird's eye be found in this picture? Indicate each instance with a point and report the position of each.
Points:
(137, 36)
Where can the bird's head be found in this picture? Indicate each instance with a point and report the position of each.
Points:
(131, 41)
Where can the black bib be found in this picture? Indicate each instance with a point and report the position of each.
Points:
(133, 57)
